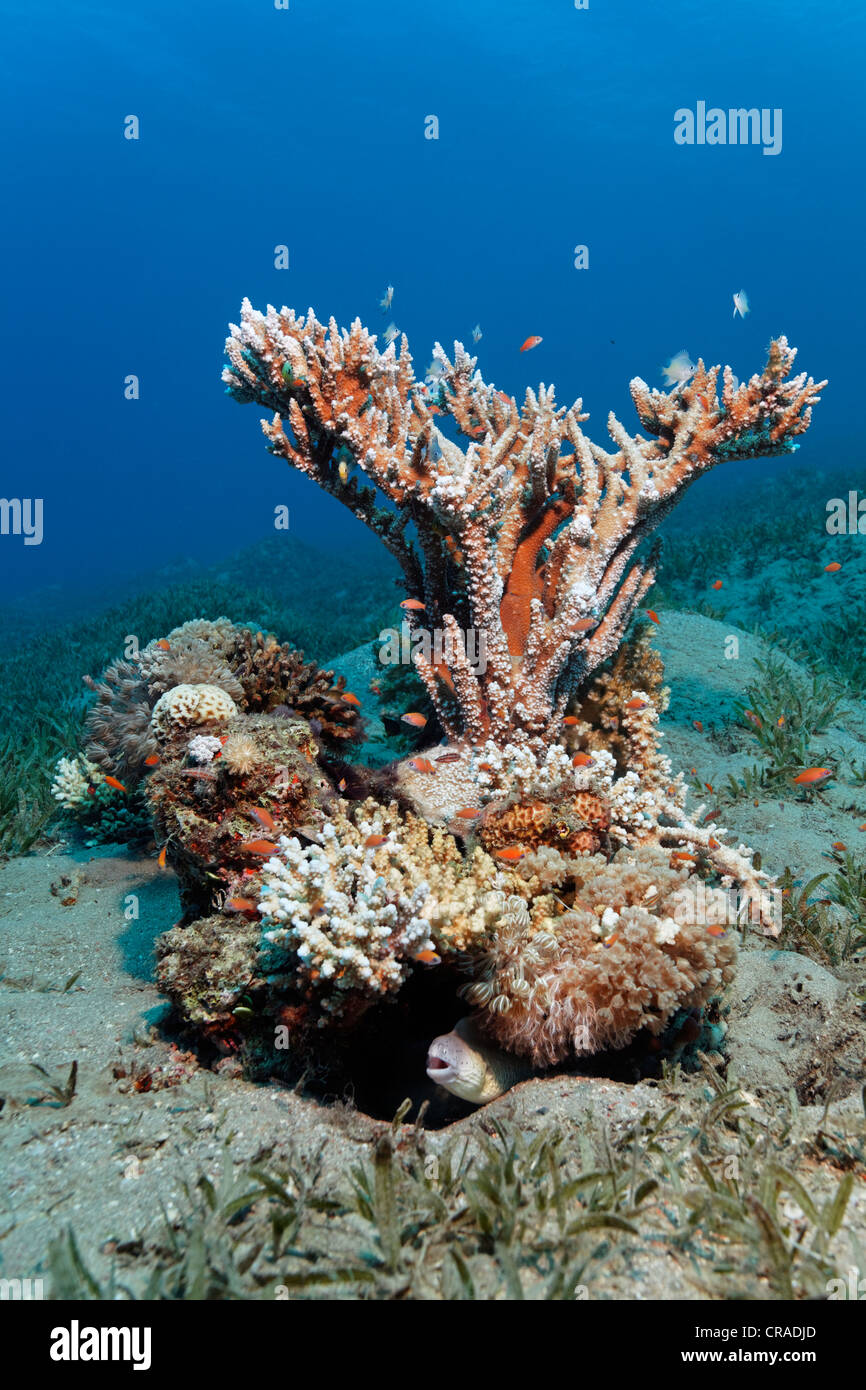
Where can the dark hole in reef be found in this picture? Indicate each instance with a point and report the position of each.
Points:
(386, 1063)
(382, 1062)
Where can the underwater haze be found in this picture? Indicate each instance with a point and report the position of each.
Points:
(305, 127)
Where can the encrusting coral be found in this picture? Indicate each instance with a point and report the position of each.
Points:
(543, 859)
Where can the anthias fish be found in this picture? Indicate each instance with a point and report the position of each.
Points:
(423, 765)
(810, 775)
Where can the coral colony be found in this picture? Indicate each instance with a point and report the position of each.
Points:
(538, 851)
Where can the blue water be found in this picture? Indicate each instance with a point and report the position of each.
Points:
(306, 127)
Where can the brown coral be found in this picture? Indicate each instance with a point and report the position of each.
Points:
(255, 670)
(601, 705)
(274, 675)
(575, 826)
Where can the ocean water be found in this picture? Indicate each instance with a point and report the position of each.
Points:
(543, 169)
(305, 127)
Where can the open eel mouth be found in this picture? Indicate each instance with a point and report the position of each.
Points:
(439, 1070)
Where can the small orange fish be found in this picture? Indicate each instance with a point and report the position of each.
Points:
(264, 817)
(262, 847)
(429, 958)
(610, 940)
(571, 719)
(708, 787)
(839, 844)
(374, 841)
(862, 827)
(513, 854)
(163, 645)
(832, 568)
(113, 782)
(423, 765)
(585, 624)
(780, 722)
(161, 860)
(696, 724)
(341, 785)
(468, 813)
(653, 616)
(811, 775)
(716, 931)
(152, 760)
(718, 584)
(416, 720)
(414, 605)
(713, 843)
(482, 767)
(682, 856)
(637, 703)
(531, 343)
(245, 905)
(583, 760)
(350, 698)
(753, 718)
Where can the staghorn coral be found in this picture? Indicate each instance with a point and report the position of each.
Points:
(528, 535)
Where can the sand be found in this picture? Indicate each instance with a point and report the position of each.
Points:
(117, 1162)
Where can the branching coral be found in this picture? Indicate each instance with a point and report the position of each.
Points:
(351, 930)
(529, 534)
(545, 853)
(72, 781)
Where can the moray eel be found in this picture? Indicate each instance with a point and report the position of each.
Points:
(465, 1064)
